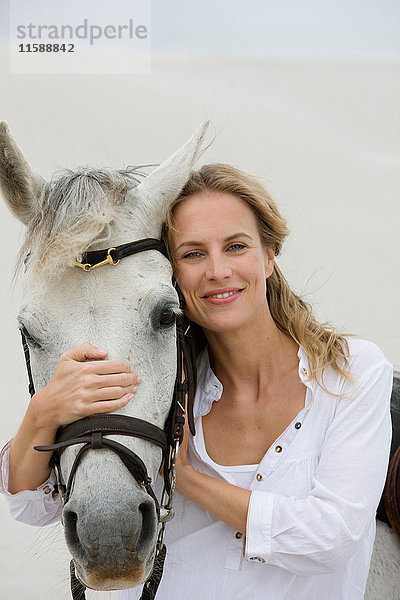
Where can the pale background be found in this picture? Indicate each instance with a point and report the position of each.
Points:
(307, 99)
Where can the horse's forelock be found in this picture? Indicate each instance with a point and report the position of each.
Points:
(76, 209)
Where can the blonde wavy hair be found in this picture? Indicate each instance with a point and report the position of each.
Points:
(292, 315)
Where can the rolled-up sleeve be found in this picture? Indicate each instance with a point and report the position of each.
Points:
(33, 507)
(318, 533)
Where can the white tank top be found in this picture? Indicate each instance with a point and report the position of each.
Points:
(239, 475)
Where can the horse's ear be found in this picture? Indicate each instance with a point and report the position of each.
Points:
(20, 187)
(165, 183)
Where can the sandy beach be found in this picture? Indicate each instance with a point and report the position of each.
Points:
(324, 136)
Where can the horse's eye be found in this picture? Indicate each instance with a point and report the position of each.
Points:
(29, 338)
(163, 316)
(167, 318)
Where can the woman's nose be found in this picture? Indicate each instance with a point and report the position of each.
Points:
(218, 268)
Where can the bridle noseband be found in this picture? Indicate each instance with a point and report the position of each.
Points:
(91, 431)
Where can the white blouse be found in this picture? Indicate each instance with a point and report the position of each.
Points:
(311, 517)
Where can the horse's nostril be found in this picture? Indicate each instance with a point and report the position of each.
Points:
(148, 529)
(70, 518)
(147, 509)
(70, 525)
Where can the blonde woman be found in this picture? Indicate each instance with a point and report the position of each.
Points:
(280, 485)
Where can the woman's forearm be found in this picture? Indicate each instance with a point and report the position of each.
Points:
(29, 468)
(227, 502)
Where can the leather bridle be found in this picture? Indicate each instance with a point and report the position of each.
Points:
(91, 431)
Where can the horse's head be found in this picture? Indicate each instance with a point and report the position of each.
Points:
(110, 520)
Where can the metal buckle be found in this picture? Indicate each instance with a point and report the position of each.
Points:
(167, 511)
(60, 484)
(108, 261)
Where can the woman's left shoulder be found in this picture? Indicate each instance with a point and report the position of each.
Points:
(368, 370)
(364, 354)
(366, 366)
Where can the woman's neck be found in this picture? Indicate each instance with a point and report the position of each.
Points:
(259, 354)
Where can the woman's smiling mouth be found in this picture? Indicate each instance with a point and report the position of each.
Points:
(222, 296)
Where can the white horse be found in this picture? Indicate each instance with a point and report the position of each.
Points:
(110, 521)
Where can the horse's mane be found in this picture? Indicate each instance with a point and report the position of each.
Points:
(76, 208)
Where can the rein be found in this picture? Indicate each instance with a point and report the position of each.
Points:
(91, 431)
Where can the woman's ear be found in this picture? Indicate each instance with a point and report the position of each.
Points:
(269, 261)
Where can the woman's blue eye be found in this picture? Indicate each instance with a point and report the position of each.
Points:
(192, 254)
(237, 247)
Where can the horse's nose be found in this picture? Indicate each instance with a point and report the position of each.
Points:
(92, 535)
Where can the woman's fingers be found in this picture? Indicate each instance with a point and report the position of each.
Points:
(108, 405)
(112, 393)
(106, 367)
(83, 352)
(122, 380)
(94, 388)
(95, 356)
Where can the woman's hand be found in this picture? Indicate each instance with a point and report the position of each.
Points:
(79, 388)
(227, 502)
(82, 387)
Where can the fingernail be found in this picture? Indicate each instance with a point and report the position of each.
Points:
(134, 389)
(129, 397)
(139, 379)
(102, 351)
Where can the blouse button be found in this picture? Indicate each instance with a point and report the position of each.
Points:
(259, 477)
(238, 535)
(298, 425)
(261, 560)
(304, 371)
(47, 489)
(278, 449)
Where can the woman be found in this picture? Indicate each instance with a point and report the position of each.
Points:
(279, 487)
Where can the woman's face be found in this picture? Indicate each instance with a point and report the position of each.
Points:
(221, 265)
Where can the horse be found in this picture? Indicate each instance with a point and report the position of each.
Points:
(129, 308)
(110, 520)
